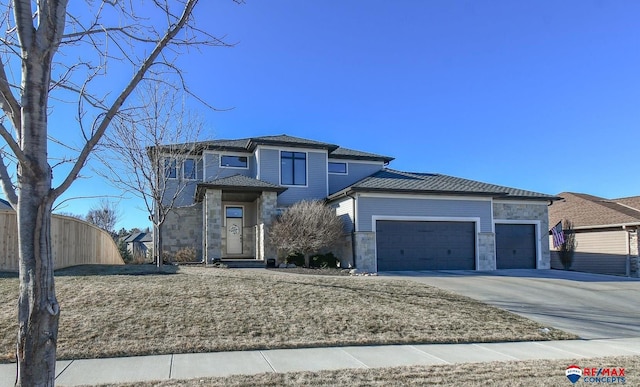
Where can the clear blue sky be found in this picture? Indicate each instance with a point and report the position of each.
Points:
(540, 95)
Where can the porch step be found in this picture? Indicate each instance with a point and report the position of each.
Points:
(244, 263)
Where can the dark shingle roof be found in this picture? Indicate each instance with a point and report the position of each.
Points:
(139, 237)
(237, 183)
(389, 180)
(346, 153)
(250, 144)
(5, 205)
(586, 211)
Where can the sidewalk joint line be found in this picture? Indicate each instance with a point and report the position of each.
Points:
(354, 358)
(545, 345)
(64, 369)
(492, 350)
(268, 362)
(171, 366)
(429, 354)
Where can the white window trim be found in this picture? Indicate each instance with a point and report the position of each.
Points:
(475, 220)
(164, 167)
(306, 169)
(195, 169)
(233, 154)
(539, 235)
(346, 168)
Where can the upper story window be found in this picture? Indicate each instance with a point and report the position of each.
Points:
(234, 161)
(293, 168)
(337, 168)
(170, 170)
(189, 169)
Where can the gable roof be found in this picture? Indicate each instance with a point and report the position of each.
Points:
(138, 237)
(588, 211)
(389, 180)
(283, 140)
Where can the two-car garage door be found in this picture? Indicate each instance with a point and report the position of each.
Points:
(436, 245)
(413, 245)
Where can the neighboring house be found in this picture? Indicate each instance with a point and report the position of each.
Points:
(606, 231)
(5, 205)
(393, 220)
(139, 244)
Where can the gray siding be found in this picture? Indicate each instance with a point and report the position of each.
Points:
(269, 165)
(213, 170)
(370, 206)
(344, 210)
(355, 172)
(186, 197)
(316, 176)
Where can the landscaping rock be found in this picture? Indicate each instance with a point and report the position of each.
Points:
(291, 266)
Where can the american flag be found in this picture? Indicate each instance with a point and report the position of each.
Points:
(558, 235)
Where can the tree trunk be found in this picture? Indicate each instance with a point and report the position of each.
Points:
(159, 250)
(307, 257)
(38, 309)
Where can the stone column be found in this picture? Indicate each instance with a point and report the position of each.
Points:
(365, 258)
(213, 225)
(486, 251)
(267, 204)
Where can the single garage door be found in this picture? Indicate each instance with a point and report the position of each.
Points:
(407, 245)
(515, 246)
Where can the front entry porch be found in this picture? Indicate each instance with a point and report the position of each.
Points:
(237, 214)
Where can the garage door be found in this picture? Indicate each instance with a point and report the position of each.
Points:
(515, 246)
(405, 245)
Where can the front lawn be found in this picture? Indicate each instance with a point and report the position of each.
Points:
(539, 373)
(128, 311)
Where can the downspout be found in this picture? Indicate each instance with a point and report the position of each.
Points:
(353, 231)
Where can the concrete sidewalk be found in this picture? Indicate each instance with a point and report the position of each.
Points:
(198, 365)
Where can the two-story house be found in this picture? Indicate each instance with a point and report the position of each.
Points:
(393, 220)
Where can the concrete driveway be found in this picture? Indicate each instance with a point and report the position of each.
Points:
(592, 306)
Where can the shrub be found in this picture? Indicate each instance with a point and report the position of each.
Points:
(296, 258)
(305, 228)
(324, 261)
(187, 254)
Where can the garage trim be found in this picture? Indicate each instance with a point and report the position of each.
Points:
(475, 220)
(536, 223)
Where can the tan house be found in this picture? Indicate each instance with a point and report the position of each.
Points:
(606, 232)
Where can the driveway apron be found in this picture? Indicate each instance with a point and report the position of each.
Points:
(591, 306)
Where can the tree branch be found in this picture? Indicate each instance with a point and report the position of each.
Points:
(13, 145)
(7, 184)
(8, 101)
(111, 113)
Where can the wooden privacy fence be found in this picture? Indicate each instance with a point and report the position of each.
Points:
(73, 242)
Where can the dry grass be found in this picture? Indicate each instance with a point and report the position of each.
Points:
(118, 311)
(541, 373)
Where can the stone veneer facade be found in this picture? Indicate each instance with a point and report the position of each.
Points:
(365, 242)
(183, 229)
(538, 212)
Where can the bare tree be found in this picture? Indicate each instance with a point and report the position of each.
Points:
(305, 228)
(56, 50)
(153, 153)
(567, 250)
(104, 215)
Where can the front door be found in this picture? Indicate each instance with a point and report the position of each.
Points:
(234, 230)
